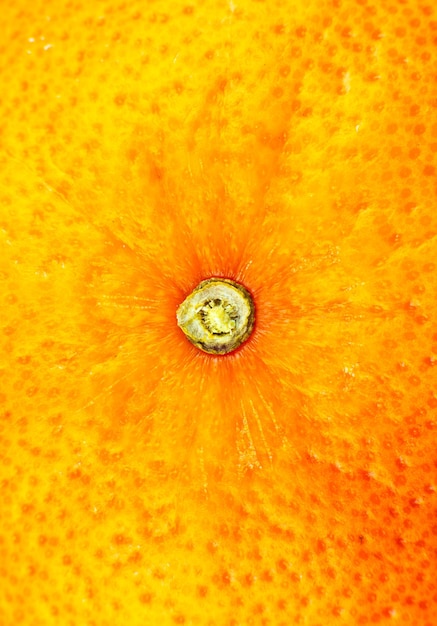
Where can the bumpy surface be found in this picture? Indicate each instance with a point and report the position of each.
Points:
(288, 145)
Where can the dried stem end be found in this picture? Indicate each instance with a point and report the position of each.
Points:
(217, 316)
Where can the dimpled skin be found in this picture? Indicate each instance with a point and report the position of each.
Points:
(145, 146)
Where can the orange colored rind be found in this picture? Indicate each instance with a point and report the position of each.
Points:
(289, 147)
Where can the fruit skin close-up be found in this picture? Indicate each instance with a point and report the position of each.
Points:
(290, 147)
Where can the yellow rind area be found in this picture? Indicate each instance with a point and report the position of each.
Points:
(289, 146)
